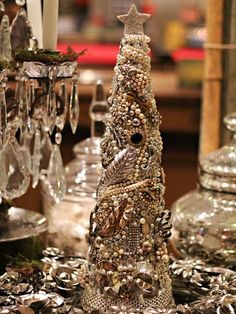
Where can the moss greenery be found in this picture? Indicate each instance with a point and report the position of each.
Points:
(21, 253)
(46, 56)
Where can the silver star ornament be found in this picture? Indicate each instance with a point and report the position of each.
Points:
(133, 21)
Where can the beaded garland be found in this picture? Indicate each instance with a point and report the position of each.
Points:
(129, 226)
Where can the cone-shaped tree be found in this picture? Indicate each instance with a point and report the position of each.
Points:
(130, 226)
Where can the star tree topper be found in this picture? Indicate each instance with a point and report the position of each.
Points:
(133, 21)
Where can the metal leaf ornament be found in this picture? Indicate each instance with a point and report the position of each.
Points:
(117, 219)
(120, 167)
(163, 224)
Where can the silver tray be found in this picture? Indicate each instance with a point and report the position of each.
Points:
(22, 224)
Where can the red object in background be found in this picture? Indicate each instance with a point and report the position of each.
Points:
(188, 54)
(149, 6)
(96, 54)
(190, 14)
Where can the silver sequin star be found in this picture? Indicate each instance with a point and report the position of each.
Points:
(133, 21)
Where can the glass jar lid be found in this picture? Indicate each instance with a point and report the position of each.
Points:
(89, 146)
(82, 173)
(217, 170)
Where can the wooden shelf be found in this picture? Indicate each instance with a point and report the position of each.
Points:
(179, 107)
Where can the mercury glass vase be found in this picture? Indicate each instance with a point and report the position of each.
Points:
(204, 220)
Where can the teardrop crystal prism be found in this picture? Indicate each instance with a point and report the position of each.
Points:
(63, 106)
(74, 107)
(3, 116)
(6, 48)
(18, 89)
(36, 159)
(17, 172)
(46, 152)
(56, 175)
(51, 108)
(31, 93)
(26, 139)
(23, 105)
(2, 6)
(31, 99)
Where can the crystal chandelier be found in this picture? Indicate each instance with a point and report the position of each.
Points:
(33, 114)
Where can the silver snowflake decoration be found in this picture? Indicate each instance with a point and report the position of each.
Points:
(187, 267)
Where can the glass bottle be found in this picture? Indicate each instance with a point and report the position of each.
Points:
(69, 220)
(204, 220)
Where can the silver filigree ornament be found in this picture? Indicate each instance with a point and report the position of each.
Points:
(11, 284)
(41, 301)
(214, 291)
(224, 284)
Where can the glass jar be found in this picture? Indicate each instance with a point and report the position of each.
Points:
(204, 220)
(69, 219)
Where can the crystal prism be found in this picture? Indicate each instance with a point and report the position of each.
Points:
(18, 89)
(17, 172)
(23, 105)
(31, 99)
(36, 159)
(74, 107)
(46, 152)
(62, 110)
(51, 108)
(2, 7)
(3, 173)
(6, 53)
(56, 175)
(21, 31)
(3, 116)
(26, 144)
(31, 93)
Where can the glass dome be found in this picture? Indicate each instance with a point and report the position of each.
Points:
(204, 220)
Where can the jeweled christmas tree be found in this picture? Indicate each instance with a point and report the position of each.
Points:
(130, 226)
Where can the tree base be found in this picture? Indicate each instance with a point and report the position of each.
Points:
(93, 301)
